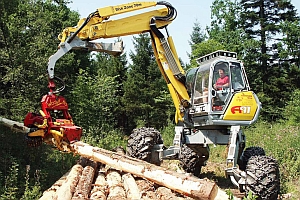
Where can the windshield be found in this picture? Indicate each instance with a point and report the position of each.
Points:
(238, 81)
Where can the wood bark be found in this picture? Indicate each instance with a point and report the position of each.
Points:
(115, 188)
(164, 193)
(147, 189)
(131, 188)
(66, 191)
(182, 183)
(50, 193)
(84, 184)
(65, 187)
(100, 186)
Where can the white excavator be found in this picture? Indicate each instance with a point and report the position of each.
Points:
(212, 101)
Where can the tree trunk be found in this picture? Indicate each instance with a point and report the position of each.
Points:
(66, 191)
(84, 184)
(131, 188)
(114, 182)
(15, 126)
(182, 183)
(99, 190)
(66, 187)
(50, 193)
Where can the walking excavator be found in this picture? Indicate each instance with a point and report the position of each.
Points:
(212, 101)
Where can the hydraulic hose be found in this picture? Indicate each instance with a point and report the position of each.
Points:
(81, 27)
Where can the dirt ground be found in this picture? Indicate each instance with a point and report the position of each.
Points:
(212, 171)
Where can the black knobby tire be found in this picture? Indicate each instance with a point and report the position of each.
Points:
(248, 153)
(190, 161)
(141, 142)
(262, 177)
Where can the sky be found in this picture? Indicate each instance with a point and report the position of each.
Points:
(188, 12)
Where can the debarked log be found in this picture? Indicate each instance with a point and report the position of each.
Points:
(15, 126)
(185, 184)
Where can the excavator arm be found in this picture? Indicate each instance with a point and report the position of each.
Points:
(98, 25)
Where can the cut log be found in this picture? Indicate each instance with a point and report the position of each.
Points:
(99, 189)
(50, 193)
(115, 188)
(164, 193)
(131, 188)
(66, 191)
(147, 189)
(84, 184)
(182, 183)
(13, 125)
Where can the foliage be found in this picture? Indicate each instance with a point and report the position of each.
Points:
(94, 95)
(203, 48)
(144, 91)
(224, 26)
(281, 141)
(114, 67)
(292, 109)
(11, 182)
(32, 192)
(168, 133)
(262, 21)
(197, 35)
(108, 97)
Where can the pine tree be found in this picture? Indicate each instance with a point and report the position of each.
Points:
(261, 21)
(145, 98)
(198, 35)
(115, 67)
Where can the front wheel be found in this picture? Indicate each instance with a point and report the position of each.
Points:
(190, 160)
(141, 142)
(262, 177)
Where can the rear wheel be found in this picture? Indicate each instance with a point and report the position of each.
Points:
(262, 177)
(141, 142)
(190, 161)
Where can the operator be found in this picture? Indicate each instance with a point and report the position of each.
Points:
(223, 80)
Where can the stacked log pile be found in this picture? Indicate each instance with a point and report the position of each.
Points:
(103, 174)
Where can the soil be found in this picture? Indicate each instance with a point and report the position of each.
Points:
(212, 171)
(216, 172)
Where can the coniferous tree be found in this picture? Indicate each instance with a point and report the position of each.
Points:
(115, 67)
(261, 21)
(28, 37)
(198, 35)
(145, 98)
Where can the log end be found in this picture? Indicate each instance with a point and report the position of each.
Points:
(208, 191)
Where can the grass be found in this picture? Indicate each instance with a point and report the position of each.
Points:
(280, 141)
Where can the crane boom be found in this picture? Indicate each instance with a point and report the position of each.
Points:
(98, 25)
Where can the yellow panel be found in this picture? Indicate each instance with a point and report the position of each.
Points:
(135, 24)
(242, 107)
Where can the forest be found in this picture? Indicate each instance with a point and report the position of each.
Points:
(110, 96)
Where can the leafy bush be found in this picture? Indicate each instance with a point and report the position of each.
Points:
(292, 109)
(106, 140)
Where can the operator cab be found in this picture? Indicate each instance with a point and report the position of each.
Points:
(220, 92)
